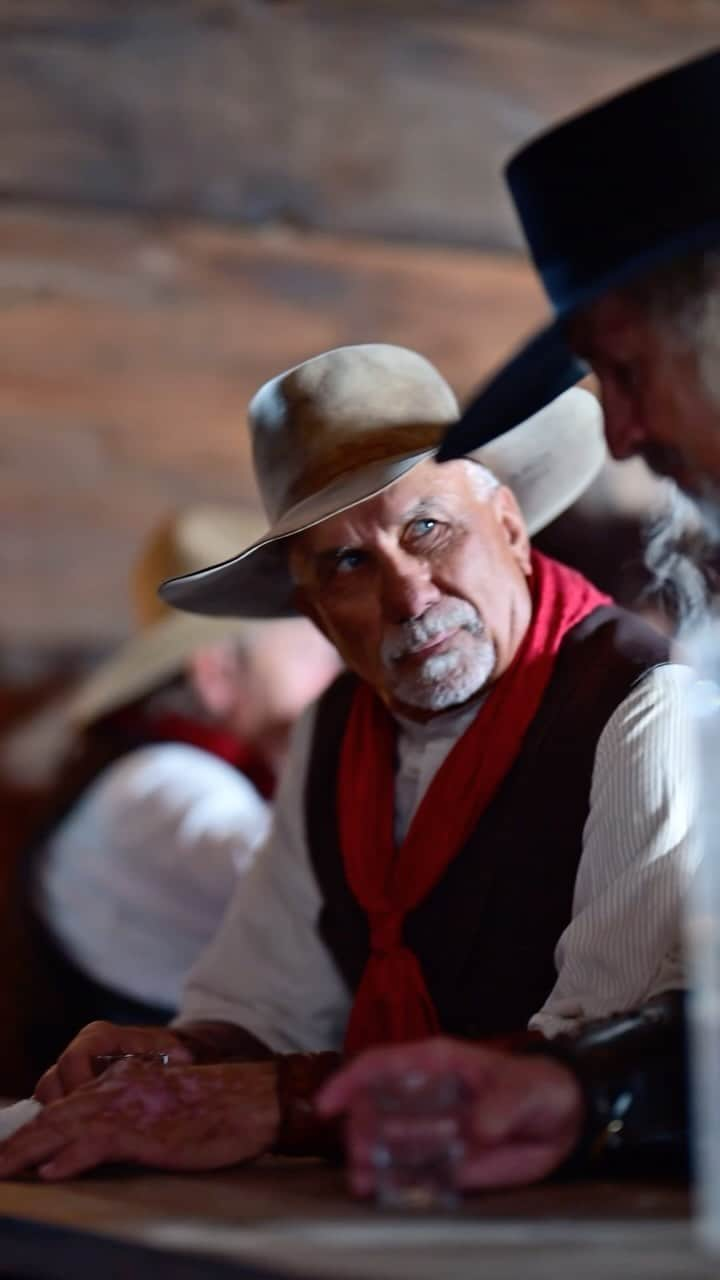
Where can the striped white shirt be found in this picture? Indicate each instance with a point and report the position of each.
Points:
(269, 971)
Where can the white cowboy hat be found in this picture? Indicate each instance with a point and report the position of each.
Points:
(342, 427)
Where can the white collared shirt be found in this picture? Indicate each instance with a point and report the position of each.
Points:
(269, 971)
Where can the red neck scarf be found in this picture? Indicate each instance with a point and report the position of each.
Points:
(392, 1003)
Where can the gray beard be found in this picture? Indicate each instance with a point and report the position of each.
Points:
(447, 679)
(682, 555)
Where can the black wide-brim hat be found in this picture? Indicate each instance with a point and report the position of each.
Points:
(602, 198)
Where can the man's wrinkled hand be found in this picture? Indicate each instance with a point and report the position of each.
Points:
(180, 1118)
(526, 1112)
(74, 1067)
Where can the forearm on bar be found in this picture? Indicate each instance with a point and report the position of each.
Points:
(299, 1077)
(210, 1042)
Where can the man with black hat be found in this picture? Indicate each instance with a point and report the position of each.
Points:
(621, 209)
(173, 745)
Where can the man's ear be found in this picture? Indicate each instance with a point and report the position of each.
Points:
(512, 523)
(214, 672)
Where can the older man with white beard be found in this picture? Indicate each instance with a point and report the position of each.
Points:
(483, 825)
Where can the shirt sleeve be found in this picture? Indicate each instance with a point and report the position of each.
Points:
(624, 942)
(267, 969)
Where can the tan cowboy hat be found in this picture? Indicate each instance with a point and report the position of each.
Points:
(182, 544)
(31, 752)
(342, 427)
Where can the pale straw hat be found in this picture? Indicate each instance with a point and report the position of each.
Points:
(342, 427)
(182, 544)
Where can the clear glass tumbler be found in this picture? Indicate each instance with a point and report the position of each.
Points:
(417, 1126)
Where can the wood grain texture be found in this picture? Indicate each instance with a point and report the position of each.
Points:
(199, 193)
(130, 350)
(388, 120)
(284, 1217)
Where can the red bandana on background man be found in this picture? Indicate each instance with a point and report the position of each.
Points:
(392, 1003)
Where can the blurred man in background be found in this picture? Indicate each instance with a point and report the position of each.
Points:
(164, 798)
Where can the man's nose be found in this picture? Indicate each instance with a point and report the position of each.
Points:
(624, 430)
(407, 588)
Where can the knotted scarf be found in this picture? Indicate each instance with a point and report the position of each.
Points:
(392, 1002)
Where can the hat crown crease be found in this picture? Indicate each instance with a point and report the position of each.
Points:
(324, 420)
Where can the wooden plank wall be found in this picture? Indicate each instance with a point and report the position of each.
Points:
(351, 116)
(130, 361)
(197, 193)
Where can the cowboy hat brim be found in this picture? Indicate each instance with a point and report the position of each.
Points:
(145, 662)
(548, 461)
(34, 750)
(538, 372)
(544, 366)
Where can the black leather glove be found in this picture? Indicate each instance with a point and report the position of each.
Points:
(633, 1071)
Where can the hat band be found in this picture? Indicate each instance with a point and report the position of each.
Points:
(347, 457)
(571, 281)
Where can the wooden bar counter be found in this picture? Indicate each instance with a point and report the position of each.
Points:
(293, 1218)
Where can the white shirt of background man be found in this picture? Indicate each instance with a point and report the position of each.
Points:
(135, 881)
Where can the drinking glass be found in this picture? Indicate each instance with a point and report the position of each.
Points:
(416, 1126)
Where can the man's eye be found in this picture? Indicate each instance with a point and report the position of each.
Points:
(422, 527)
(348, 561)
(622, 372)
(626, 375)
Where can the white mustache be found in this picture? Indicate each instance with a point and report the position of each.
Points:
(408, 637)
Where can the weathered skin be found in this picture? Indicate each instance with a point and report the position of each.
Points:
(182, 1118)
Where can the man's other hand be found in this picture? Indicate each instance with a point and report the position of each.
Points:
(75, 1067)
(182, 1118)
(526, 1112)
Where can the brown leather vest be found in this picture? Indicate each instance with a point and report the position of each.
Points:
(486, 934)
